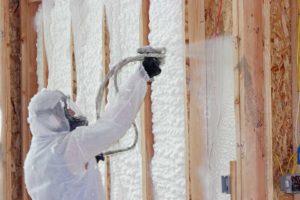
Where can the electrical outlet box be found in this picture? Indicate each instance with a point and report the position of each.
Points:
(225, 181)
(290, 183)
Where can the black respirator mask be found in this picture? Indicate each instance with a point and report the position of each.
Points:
(73, 115)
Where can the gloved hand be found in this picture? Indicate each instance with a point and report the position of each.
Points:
(151, 66)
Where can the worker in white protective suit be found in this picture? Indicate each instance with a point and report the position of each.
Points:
(61, 164)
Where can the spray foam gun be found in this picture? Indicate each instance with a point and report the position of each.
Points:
(143, 52)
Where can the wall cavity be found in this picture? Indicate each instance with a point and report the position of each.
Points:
(123, 17)
(57, 32)
(86, 17)
(168, 164)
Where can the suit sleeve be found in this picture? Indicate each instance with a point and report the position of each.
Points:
(115, 121)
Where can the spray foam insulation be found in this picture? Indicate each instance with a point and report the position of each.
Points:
(86, 17)
(166, 30)
(123, 26)
(168, 164)
(57, 35)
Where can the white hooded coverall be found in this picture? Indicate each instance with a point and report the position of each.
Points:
(60, 164)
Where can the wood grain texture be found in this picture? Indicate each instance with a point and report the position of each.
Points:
(73, 68)
(251, 144)
(233, 194)
(147, 135)
(45, 62)
(218, 17)
(196, 138)
(28, 73)
(268, 99)
(237, 106)
(11, 66)
(105, 63)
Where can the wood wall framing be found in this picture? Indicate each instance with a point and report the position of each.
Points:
(266, 92)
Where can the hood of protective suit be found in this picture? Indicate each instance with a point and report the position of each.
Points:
(46, 114)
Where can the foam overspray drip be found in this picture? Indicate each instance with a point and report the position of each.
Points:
(217, 54)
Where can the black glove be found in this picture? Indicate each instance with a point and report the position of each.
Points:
(151, 66)
(100, 157)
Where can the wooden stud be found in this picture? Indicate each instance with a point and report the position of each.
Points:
(233, 183)
(268, 100)
(28, 77)
(252, 138)
(196, 138)
(5, 102)
(106, 61)
(107, 178)
(237, 38)
(45, 62)
(147, 135)
(73, 67)
(187, 100)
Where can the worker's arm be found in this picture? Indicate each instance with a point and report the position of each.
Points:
(116, 120)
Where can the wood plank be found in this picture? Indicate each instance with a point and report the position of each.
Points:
(45, 62)
(147, 135)
(5, 94)
(187, 100)
(233, 178)
(237, 37)
(106, 62)
(73, 68)
(252, 146)
(29, 78)
(268, 100)
(196, 144)
(11, 39)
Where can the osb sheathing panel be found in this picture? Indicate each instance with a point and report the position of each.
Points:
(218, 17)
(281, 79)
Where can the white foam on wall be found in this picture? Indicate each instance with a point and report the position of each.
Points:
(87, 32)
(57, 26)
(221, 116)
(168, 164)
(39, 46)
(123, 23)
(123, 16)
